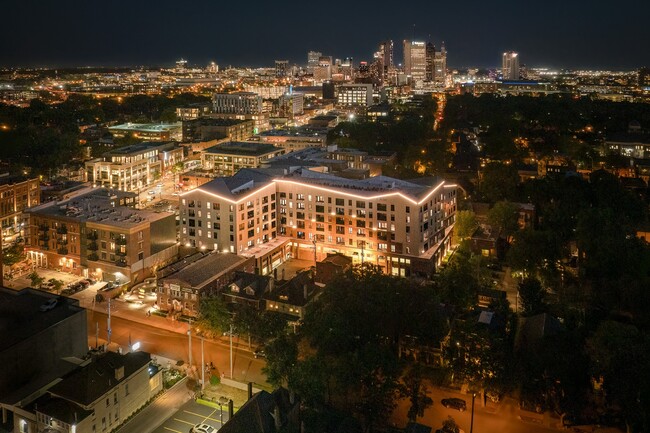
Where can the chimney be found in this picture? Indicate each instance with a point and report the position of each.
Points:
(250, 390)
(276, 418)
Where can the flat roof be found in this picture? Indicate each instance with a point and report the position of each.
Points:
(20, 317)
(199, 271)
(146, 127)
(246, 148)
(135, 149)
(95, 206)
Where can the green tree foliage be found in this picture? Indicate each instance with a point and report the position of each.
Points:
(35, 279)
(459, 280)
(499, 182)
(620, 354)
(417, 392)
(531, 296)
(465, 224)
(214, 315)
(504, 217)
(282, 357)
(13, 254)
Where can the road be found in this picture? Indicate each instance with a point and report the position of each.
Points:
(160, 410)
(504, 417)
(174, 345)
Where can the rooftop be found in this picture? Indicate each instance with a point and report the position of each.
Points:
(146, 127)
(88, 383)
(97, 205)
(199, 272)
(243, 148)
(20, 317)
(138, 148)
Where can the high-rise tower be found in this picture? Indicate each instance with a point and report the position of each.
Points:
(510, 66)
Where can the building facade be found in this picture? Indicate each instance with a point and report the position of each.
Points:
(354, 95)
(510, 65)
(403, 227)
(16, 195)
(148, 131)
(415, 63)
(226, 159)
(131, 168)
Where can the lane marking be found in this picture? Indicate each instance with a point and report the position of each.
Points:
(171, 429)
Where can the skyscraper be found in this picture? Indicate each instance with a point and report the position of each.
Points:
(281, 68)
(415, 61)
(510, 66)
(384, 59)
(431, 54)
(312, 60)
(440, 66)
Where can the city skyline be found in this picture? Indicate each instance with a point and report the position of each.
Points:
(67, 34)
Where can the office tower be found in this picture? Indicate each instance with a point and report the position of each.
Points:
(440, 66)
(644, 77)
(430, 56)
(312, 60)
(510, 66)
(383, 60)
(415, 61)
(323, 71)
(281, 68)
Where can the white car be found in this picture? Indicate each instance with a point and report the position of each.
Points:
(47, 306)
(203, 428)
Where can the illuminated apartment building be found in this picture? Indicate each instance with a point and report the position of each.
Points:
(402, 226)
(132, 167)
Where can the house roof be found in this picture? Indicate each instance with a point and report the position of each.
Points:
(60, 409)
(88, 383)
(200, 272)
(256, 415)
(258, 285)
(292, 292)
(338, 259)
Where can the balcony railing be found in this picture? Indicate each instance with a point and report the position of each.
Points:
(94, 257)
(93, 246)
(62, 230)
(120, 240)
(121, 263)
(62, 251)
(120, 253)
(92, 236)
(43, 227)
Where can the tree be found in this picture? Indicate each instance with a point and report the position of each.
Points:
(214, 315)
(36, 279)
(281, 358)
(532, 295)
(13, 254)
(449, 425)
(58, 284)
(504, 216)
(620, 355)
(417, 392)
(499, 182)
(465, 224)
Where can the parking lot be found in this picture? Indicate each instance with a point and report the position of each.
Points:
(191, 414)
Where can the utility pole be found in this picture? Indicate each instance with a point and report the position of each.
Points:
(189, 334)
(202, 366)
(108, 340)
(231, 351)
(96, 335)
(471, 423)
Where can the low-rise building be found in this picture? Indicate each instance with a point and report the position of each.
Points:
(131, 168)
(99, 395)
(148, 131)
(16, 195)
(96, 234)
(354, 95)
(291, 297)
(226, 159)
(208, 128)
(193, 111)
(248, 289)
(293, 139)
(181, 285)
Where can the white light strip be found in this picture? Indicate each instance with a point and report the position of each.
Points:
(225, 198)
(336, 191)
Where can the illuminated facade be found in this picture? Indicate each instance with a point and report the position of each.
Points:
(415, 63)
(16, 195)
(228, 158)
(354, 95)
(132, 167)
(403, 227)
(510, 65)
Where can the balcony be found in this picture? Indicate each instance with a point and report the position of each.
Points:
(44, 238)
(121, 263)
(92, 236)
(43, 227)
(62, 230)
(61, 241)
(62, 251)
(93, 246)
(120, 240)
(93, 257)
(120, 253)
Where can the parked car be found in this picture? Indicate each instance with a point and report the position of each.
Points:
(48, 285)
(454, 403)
(48, 305)
(203, 428)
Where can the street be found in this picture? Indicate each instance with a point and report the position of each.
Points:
(504, 417)
(174, 345)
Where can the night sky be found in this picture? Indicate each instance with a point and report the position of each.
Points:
(552, 33)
